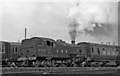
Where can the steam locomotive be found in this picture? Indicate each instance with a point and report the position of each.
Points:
(46, 52)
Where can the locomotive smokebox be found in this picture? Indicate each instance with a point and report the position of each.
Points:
(72, 42)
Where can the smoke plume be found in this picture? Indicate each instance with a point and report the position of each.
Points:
(98, 19)
(73, 29)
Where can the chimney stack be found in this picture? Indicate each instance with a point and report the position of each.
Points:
(72, 42)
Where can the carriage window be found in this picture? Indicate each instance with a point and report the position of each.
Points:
(92, 50)
(103, 48)
(104, 52)
(16, 49)
(108, 52)
(113, 53)
(21, 53)
(33, 55)
(66, 51)
(61, 51)
(27, 50)
(48, 43)
(13, 50)
(2, 50)
(39, 43)
(57, 50)
(80, 50)
(53, 45)
(116, 49)
(116, 53)
(98, 50)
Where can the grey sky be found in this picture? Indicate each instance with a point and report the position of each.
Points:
(47, 19)
(42, 19)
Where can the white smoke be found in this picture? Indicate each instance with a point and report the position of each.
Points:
(94, 16)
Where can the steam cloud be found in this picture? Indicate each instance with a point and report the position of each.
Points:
(98, 19)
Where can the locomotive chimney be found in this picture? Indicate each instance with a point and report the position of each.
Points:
(72, 42)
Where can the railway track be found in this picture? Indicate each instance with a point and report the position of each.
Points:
(63, 70)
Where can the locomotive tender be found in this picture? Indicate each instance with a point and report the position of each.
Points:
(46, 52)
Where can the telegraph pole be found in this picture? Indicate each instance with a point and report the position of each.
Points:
(25, 32)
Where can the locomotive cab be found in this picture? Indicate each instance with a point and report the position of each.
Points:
(36, 49)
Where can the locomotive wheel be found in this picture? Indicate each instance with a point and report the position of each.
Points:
(118, 63)
(35, 63)
(24, 63)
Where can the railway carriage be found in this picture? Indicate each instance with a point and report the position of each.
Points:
(15, 49)
(5, 52)
(8, 53)
(100, 54)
